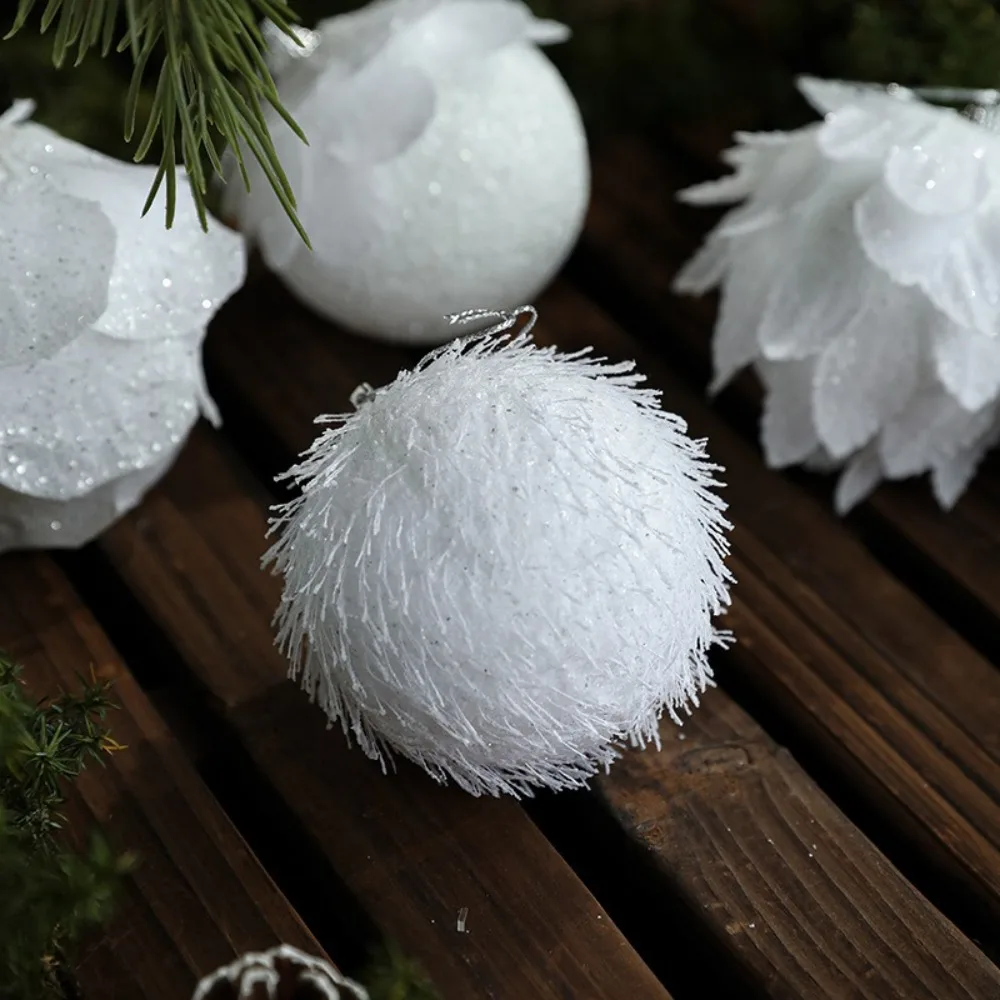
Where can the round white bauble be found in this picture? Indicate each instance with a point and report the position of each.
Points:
(102, 316)
(503, 566)
(447, 165)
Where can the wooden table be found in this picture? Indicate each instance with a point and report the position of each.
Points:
(827, 825)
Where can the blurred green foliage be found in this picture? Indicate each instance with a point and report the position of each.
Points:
(633, 63)
(392, 975)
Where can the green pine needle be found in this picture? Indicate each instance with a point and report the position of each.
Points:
(212, 84)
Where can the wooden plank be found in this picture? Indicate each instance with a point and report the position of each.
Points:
(901, 705)
(692, 867)
(779, 874)
(198, 897)
(413, 853)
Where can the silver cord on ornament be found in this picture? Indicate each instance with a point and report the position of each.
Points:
(507, 320)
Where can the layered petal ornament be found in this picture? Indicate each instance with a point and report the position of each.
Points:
(860, 277)
(447, 164)
(102, 316)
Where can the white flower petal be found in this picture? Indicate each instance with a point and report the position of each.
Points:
(967, 362)
(734, 187)
(942, 174)
(869, 372)
(743, 301)
(794, 181)
(827, 96)
(465, 31)
(705, 269)
(966, 285)
(98, 410)
(909, 246)
(856, 133)
(54, 267)
(931, 430)
(31, 523)
(544, 31)
(858, 480)
(164, 282)
(815, 295)
(951, 476)
(760, 141)
(787, 432)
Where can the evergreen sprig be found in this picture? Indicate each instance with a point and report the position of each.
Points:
(212, 82)
(49, 895)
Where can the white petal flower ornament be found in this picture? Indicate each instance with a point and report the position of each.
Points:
(504, 566)
(860, 277)
(102, 315)
(447, 164)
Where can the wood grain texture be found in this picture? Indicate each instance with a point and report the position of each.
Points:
(894, 698)
(411, 852)
(571, 322)
(198, 897)
(781, 876)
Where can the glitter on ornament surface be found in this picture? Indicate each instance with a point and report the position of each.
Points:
(503, 566)
(447, 165)
(93, 410)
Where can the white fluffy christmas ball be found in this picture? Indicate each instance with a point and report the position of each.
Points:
(859, 277)
(102, 316)
(446, 166)
(503, 566)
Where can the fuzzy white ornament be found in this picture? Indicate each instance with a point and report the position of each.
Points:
(504, 565)
(861, 278)
(446, 165)
(102, 315)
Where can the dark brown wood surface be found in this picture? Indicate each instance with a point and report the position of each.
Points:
(779, 874)
(198, 898)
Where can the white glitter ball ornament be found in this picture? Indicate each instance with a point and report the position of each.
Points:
(446, 166)
(102, 315)
(504, 565)
(860, 277)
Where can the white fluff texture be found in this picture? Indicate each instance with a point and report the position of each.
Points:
(447, 165)
(861, 278)
(102, 316)
(504, 565)
(281, 972)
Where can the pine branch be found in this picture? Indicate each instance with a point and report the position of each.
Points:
(211, 87)
(48, 894)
